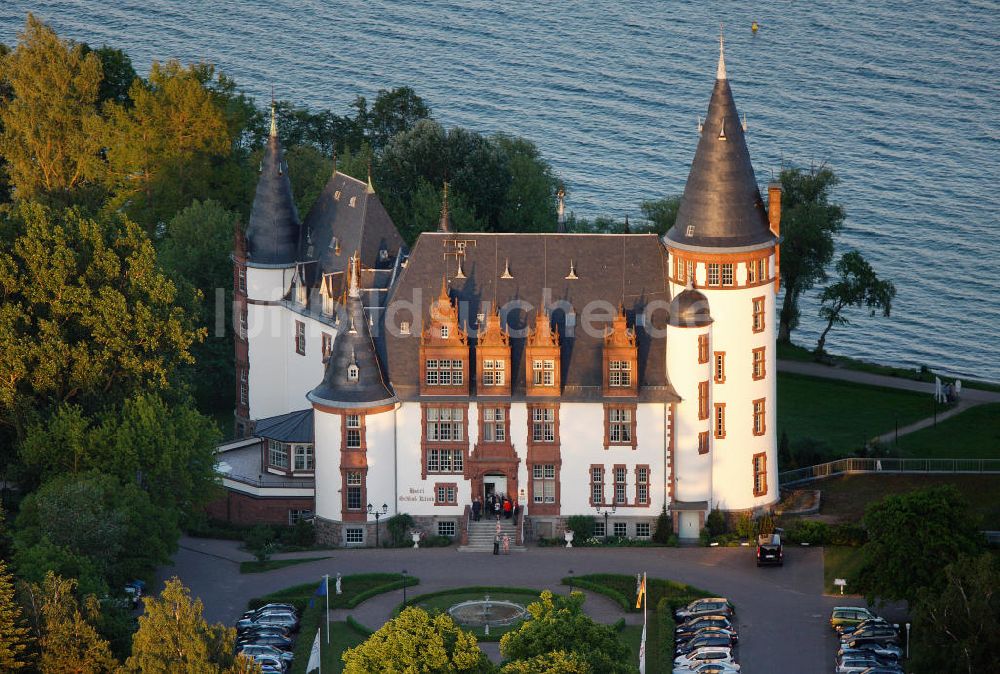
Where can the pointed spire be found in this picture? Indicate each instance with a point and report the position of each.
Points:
(506, 269)
(353, 274)
(444, 296)
(371, 188)
(561, 210)
(720, 72)
(444, 225)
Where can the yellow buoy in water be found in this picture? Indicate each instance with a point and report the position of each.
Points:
(754, 27)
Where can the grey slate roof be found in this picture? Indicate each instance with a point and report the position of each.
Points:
(690, 309)
(273, 230)
(610, 268)
(291, 427)
(364, 227)
(353, 344)
(722, 205)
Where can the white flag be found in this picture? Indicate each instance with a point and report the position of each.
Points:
(314, 655)
(642, 652)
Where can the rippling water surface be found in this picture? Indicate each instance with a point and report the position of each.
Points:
(900, 98)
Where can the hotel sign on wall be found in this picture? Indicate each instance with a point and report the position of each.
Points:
(416, 495)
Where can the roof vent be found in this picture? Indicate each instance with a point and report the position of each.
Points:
(506, 269)
(336, 195)
(460, 273)
(571, 276)
(690, 230)
(722, 133)
(353, 202)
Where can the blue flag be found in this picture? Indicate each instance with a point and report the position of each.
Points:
(321, 590)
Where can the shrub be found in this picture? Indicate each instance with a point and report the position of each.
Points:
(746, 527)
(664, 527)
(435, 541)
(704, 538)
(812, 532)
(715, 523)
(582, 526)
(302, 534)
(398, 525)
(260, 541)
(853, 535)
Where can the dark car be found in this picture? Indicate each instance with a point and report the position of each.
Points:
(289, 621)
(691, 626)
(276, 640)
(874, 633)
(703, 640)
(870, 622)
(270, 608)
(769, 550)
(883, 651)
(706, 631)
(701, 607)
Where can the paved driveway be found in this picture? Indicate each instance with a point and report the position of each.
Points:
(782, 615)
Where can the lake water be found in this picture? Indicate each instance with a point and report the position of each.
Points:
(900, 98)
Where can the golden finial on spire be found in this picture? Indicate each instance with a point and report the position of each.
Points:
(720, 72)
(445, 223)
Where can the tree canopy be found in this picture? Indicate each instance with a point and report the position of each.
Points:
(857, 285)
(809, 222)
(417, 642)
(15, 638)
(911, 538)
(561, 625)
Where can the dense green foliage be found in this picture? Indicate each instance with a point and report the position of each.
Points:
(15, 638)
(857, 285)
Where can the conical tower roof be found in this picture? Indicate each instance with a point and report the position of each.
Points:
(353, 348)
(722, 206)
(273, 229)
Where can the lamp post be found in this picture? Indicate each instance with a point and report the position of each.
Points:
(404, 588)
(372, 510)
(606, 512)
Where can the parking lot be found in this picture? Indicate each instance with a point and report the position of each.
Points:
(782, 617)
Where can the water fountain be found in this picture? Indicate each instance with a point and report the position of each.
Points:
(487, 612)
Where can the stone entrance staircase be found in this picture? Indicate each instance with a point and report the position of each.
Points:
(481, 536)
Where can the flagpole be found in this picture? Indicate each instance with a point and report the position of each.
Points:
(326, 587)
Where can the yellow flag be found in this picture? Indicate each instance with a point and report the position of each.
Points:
(641, 594)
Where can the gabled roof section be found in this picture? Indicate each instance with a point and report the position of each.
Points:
(722, 206)
(347, 217)
(610, 270)
(291, 427)
(274, 228)
(353, 348)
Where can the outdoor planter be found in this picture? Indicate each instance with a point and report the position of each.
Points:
(415, 537)
(569, 539)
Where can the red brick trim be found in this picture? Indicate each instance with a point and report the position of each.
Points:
(702, 400)
(719, 415)
(703, 442)
(360, 414)
(353, 515)
(719, 367)
(762, 313)
(445, 486)
(604, 484)
(762, 414)
(761, 472)
(615, 483)
(426, 445)
(543, 508)
(638, 503)
(632, 408)
(763, 362)
(702, 349)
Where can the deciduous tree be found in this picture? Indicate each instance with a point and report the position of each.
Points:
(51, 138)
(417, 642)
(808, 224)
(15, 638)
(556, 662)
(911, 538)
(561, 625)
(857, 285)
(661, 212)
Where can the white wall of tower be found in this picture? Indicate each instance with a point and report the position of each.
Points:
(692, 471)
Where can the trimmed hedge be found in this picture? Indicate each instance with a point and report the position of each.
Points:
(471, 588)
(411, 581)
(358, 627)
(614, 595)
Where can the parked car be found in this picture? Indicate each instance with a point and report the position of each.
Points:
(702, 607)
(702, 655)
(705, 631)
(251, 650)
(271, 661)
(709, 668)
(704, 640)
(271, 608)
(849, 616)
(858, 664)
(882, 669)
(871, 622)
(254, 628)
(286, 620)
(769, 550)
(134, 590)
(885, 651)
(885, 634)
(276, 640)
(701, 622)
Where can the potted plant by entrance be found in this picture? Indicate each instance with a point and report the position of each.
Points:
(569, 538)
(415, 537)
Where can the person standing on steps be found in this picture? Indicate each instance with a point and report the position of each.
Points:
(496, 508)
(506, 507)
(477, 509)
(506, 544)
(496, 543)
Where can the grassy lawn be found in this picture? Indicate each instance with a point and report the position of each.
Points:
(840, 562)
(973, 434)
(271, 564)
(843, 414)
(440, 602)
(845, 498)
(342, 637)
(632, 636)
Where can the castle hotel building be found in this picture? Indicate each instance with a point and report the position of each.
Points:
(574, 373)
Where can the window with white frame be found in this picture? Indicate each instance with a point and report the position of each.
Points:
(713, 273)
(353, 479)
(303, 457)
(327, 304)
(445, 424)
(642, 485)
(690, 272)
(543, 372)
(494, 425)
(277, 454)
(543, 424)
(446, 529)
(619, 426)
(599, 530)
(241, 282)
(243, 326)
(620, 374)
(354, 535)
(727, 274)
(543, 486)
(751, 271)
(597, 484)
(445, 460)
(445, 494)
(758, 363)
(620, 529)
(758, 416)
(352, 372)
(494, 371)
(758, 314)
(352, 424)
(621, 495)
(244, 387)
(445, 331)
(443, 372)
(642, 529)
(327, 344)
(300, 338)
(295, 516)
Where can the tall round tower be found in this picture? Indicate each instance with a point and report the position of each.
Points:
(724, 244)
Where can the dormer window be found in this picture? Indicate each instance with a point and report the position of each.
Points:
(620, 374)
(383, 254)
(444, 332)
(352, 372)
(543, 372)
(404, 327)
(353, 202)
(327, 305)
(300, 293)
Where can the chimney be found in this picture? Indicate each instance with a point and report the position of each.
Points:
(774, 207)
